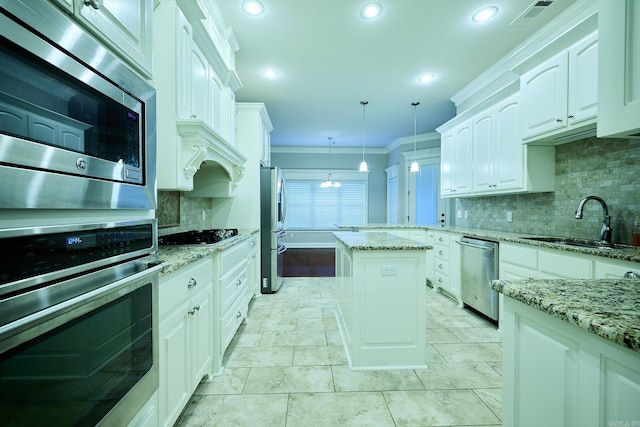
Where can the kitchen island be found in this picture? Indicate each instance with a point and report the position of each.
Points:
(571, 352)
(381, 299)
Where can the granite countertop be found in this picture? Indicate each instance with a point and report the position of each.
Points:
(371, 240)
(621, 252)
(179, 256)
(609, 308)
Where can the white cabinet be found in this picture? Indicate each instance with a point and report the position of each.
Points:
(618, 68)
(446, 263)
(380, 328)
(559, 374)
(455, 161)
(253, 131)
(431, 241)
(232, 293)
(125, 26)
(518, 261)
(559, 96)
(194, 101)
(186, 336)
(614, 269)
(557, 264)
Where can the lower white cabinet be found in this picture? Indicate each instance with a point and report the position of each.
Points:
(557, 374)
(614, 269)
(186, 336)
(446, 266)
(253, 266)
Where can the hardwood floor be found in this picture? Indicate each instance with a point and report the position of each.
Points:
(317, 262)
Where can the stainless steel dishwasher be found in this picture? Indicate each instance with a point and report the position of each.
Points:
(479, 265)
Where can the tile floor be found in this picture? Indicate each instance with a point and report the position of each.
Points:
(286, 367)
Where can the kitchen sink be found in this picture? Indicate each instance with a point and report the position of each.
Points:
(590, 244)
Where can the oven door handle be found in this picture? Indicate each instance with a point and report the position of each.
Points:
(51, 317)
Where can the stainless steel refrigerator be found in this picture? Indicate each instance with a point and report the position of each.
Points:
(272, 228)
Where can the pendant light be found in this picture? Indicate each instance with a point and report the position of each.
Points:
(414, 165)
(363, 164)
(329, 183)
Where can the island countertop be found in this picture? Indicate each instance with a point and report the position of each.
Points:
(609, 308)
(374, 241)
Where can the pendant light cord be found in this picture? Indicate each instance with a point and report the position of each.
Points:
(364, 104)
(415, 112)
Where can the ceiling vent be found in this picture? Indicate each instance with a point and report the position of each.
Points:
(532, 12)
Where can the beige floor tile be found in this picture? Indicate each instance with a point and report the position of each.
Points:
(448, 322)
(477, 334)
(291, 338)
(441, 335)
(319, 355)
(231, 381)
(459, 376)
(246, 357)
(297, 313)
(338, 409)
(243, 410)
(492, 397)
(346, 379)
(438, 408)
(270, 324)
(470, 352)
(334, 338)
(290, 379)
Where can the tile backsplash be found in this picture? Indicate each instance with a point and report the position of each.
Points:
(609, 168)
(190, 212)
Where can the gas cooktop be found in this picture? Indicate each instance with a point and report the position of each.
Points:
(195, 237)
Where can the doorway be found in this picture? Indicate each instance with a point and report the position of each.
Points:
(424, 205)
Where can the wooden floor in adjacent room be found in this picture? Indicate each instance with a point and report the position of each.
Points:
(316, 262)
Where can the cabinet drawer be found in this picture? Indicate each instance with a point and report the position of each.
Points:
(184, 284)
(231, 321)
(442, 238)
(441, 252)
(231, 286)
(442, 281)
(553, 264)
(233, 256)
(519, 255)
(441, 266)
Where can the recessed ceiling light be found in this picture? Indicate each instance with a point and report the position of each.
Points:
(484, 14)
(426, 78)
(371, 10)
(270, 73)
(253, 7)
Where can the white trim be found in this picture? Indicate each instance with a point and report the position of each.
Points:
(430, 153)
(321, 174)
(392, 171)
(408, 140)
(281, 149)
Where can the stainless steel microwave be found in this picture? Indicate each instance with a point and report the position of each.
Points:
(77, 126)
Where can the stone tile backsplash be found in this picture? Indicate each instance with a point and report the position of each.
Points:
(190, 216)
(609, 168)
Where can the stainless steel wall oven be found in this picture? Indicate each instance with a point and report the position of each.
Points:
(77, 127)
(78, 323)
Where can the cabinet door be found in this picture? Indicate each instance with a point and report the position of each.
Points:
(509, 151)
(540, 373)
(446, 163)
(618, 68)
(199, 85)
(583, 80)
(201, 314)
(556, 264)
(544, 96)
(614, 269)
(125, 25)
(175, 339)
(184, 34)
(462, 166)
(483, 152)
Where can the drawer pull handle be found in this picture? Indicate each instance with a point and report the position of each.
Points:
(238, 282)
(238, 315)
(192, 283)
(440, 252)
(440, 279)
(440, 266)
(193, 311)
(93, 3)
(440, 239)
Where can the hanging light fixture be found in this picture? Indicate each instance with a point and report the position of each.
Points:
(363, 164)
(414, 165)
(329, 183)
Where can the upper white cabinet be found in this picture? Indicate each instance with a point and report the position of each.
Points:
(619, 68)
(559, 96)
(195, 100)
(484, 155)
(126, 26)
(455, 161)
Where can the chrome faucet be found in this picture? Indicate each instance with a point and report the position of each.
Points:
(605, 233)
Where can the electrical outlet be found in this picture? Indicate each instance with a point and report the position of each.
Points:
(458, 214)
(509, 217)
(389, 270)
(204, 215)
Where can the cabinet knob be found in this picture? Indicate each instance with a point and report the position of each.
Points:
(93, 3)
(440, 267)
(192, 283)
(238, 315)
(440, 239)
(559, 120)
(571, 116)
(238, 282)
(440, 279)
(440, 252)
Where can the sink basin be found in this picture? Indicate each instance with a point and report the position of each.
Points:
(574, 242)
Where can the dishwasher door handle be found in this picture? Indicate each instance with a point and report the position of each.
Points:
(486, 248)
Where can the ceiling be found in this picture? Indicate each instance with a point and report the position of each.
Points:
(329, 59)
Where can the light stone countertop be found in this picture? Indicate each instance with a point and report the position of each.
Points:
(179, 256)
(620, 251)
(609, 308)
(373, 241)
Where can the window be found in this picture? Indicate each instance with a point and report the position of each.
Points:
(312, 207)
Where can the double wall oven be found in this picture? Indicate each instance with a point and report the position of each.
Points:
(78, 239)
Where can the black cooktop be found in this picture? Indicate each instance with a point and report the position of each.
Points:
(195, 237)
